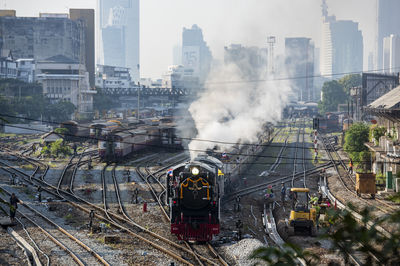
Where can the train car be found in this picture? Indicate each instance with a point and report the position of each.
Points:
(76, 131)
(120, 144)
(101, 129)
(194, 190)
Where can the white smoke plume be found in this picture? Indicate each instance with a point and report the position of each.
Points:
(234, 109)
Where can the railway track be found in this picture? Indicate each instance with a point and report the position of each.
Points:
(80, 252)
(116, 220)
(349, 183)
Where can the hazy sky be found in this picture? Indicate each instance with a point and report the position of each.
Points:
(247, 22)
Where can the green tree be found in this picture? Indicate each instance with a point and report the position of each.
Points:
(60, 111)
(332, 95)
(349, 81)
(57, 148)
(356, 136)
(348, 237)
(376, 132)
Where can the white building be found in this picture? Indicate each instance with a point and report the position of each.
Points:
(26, 69)
(113, 77)
(65, 80)
(341, 46)
(391, 53)
(178, 76)
(8, 66)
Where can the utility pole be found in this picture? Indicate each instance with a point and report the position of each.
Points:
(271, 43)
(138, 96)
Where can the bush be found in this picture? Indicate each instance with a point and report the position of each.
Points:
(376, 132)
(356, 136)
(56, 149)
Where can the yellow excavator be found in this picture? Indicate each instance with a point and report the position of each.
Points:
(302, 217)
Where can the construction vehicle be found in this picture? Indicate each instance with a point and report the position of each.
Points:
(302, 216)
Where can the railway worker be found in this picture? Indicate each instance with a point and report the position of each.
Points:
(91, 216)
(283, 193)
(135, 195)
(75, 147)
(237, 207)
(351, 166)
(13, 206)
(39, 189)
(239, 226)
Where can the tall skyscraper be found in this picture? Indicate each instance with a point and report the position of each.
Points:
(391, 54)
(341, 46)
(388, 23)
(118, 36)
(299, 62)
(196, 55)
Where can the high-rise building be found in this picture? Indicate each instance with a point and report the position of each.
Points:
(299, 62)
(391, 54)
(388, 23)
(341, 46)
(196, 55)
(118, 36)
(86, 16)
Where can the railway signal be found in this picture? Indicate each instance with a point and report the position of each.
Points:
(315, 123)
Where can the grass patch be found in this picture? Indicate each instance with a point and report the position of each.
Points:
(395, 198)
(68, 217)
(4, 135)
(28, 167)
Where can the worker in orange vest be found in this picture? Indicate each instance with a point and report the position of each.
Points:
(351, 166)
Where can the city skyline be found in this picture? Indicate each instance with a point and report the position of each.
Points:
(249, 23)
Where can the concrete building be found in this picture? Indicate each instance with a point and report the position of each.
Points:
(113, 77)
(251, 61)
(118, 35)
(8, 66)
(196, 55)
(388, 23)
(385, 153)
(64, 79)
(391, 54)
(299, 63)
(341, 46)
(179, 76)
(26, 69)
(86, 17)
(41, 38)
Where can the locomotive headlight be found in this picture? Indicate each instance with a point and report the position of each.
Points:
(195, 171)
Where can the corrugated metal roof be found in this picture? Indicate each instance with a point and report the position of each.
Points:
(390, 100)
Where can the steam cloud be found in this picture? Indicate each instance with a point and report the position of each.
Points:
(231, 111)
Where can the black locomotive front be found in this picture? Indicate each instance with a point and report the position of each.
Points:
(194, 201)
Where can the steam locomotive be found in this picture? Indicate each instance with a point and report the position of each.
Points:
(194, 190)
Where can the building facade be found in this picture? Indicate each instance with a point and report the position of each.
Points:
(391, 54)
(388, 23)
(118, 36)
(8, 66)
(299, 62)
(196, 55)
(341, 47)
(113, 77)
(26, 69)
(179, 76)
(64, 79)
